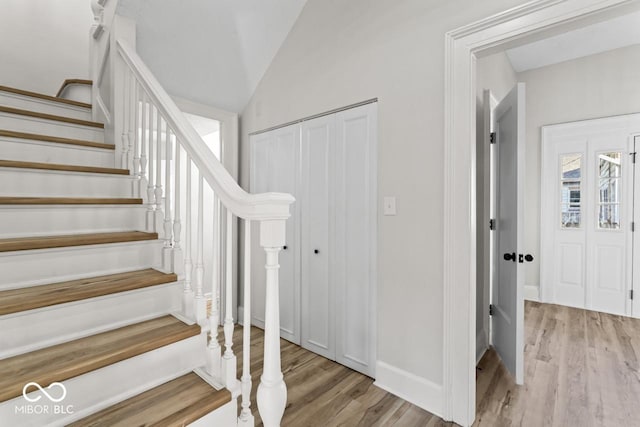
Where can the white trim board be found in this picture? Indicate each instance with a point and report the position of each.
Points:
(532, 20)
(410, 387)
(532, 293)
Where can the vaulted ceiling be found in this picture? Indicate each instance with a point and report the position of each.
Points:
(211, 51)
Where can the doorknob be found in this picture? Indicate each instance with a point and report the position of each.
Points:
(510, 257)
(528, 257)
(316, 251)
(284, 247)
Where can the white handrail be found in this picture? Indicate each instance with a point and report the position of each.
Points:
(265, 206)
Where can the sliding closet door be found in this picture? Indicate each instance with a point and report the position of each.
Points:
(274, 168)
(355, 211)
(317, 231)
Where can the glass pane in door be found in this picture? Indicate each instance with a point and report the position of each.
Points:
(609, 165)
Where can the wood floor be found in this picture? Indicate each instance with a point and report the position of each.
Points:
(581, 369)
(325, 394)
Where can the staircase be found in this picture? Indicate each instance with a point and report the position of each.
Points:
(105, 316)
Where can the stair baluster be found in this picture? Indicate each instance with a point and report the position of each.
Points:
(229, 359)
(215, 351)
(188, 296)
(131, 99)
(178, 261)
(201, 303)
(144, 161)
(159, 217)
(168, 225)
(246, 417)
(143, 148)
(125, 122)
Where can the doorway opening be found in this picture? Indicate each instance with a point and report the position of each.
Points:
(466, 48)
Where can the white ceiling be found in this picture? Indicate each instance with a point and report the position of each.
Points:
(211, 51)
(601, 37)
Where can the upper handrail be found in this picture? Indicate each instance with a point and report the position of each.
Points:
(263, 206)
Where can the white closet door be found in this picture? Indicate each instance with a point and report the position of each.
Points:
(318, 320)
(274, 168)
(355, 246)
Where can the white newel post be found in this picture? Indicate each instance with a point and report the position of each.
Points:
(272, 391)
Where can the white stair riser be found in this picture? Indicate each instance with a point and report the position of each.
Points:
(28, 221)
(226, 415)
(36, 182)
(25, 150)
(22, 102)
(77, 92)
(103, 387)
(19, 123)
(42, 266)
(34, 329)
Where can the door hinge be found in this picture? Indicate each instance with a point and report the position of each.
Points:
(492, 138)
(490, 309)
(631, 294)
(492, 224)
(633, 157)
(633, 226)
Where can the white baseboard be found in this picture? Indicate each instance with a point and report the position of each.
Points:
(412, 388)
(481, 345)
(532, 293)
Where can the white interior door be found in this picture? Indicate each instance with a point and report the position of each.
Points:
(587, 214)
(508, 290)
(355, 246)
(317, 225)
(274, 168)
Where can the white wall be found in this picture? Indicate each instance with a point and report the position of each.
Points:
(43, 43)
(339, 53)
(600, 85)
(494, 73)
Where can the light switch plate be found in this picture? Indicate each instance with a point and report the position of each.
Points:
(389, 205)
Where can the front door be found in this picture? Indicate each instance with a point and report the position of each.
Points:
(507, 322)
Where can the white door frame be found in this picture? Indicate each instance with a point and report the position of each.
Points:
(531, 21)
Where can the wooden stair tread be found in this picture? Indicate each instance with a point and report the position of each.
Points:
(175, 403)
(48, 242)
(59, 167)
(69, 201)
(17, 300)
(68, 360)
(69, 82)
(43, 96)
(56, 139)
(11, 110)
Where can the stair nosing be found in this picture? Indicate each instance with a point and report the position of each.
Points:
(18, 164)
(71, 240)
(51, 117)
(55, 139)
(44, 97)
(101, 285)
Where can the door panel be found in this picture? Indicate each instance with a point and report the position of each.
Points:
(508, 290)
(317, 290)
(587, 212)
(274, 168)
(355, 238)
